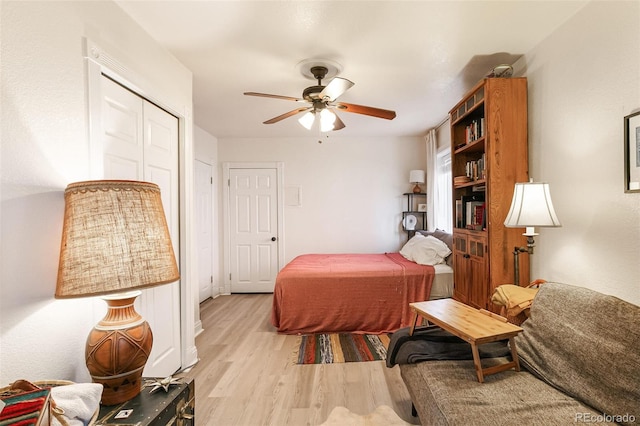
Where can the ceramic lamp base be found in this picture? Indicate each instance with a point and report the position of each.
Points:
(118, 348)
(417, 189)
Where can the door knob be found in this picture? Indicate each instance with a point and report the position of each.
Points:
(273, 238)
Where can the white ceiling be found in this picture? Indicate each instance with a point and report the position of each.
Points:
(415, 57)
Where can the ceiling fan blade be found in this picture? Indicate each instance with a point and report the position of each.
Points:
(366, 110)
(266, 95)
(287, 115)
(335, 88)
(338, 124)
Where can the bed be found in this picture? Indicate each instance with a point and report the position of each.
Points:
(357, 293)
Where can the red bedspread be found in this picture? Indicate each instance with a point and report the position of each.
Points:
(366, 293)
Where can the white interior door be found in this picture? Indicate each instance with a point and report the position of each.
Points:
(141, 143)
(253, 227)
(204, 228)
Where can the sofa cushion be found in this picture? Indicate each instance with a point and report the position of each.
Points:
(448, 393)
(586, 344)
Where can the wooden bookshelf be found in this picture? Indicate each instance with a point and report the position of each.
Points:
(483, 255)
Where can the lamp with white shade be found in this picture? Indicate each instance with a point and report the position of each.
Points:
(115, 241)
(531, 207)
(416, 177)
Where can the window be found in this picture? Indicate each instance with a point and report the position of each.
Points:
(443, 218)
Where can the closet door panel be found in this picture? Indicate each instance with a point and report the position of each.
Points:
(140, 142)
(163, 302)
(122, 121)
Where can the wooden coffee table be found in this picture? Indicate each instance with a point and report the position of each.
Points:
(472, 325)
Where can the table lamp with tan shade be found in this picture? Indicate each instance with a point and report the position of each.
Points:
(115, 241)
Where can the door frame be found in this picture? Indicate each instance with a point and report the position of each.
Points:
(99, 62)
(226, 167)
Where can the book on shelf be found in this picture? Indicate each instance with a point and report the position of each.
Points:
(474, 213)
(459, 221)
(475, 169)
(474, 130)
(479, 216)
(468, 204)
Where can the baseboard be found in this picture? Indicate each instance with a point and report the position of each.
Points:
(190, 358)
(197, 329)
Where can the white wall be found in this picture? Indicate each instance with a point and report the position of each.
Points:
(583, 79)
(443, 135)
(351, 189)
(45, 147)
(205, 146)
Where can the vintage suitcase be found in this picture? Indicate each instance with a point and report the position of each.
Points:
(175, 407)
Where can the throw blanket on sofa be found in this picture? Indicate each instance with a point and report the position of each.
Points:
(433, 343)
(596, 360)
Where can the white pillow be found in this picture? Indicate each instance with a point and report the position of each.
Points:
(425, 250)
(408, 249)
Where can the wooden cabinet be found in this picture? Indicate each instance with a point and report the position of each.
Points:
(470, 267)
(489, 155)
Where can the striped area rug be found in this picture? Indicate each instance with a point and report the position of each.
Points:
(342, 347)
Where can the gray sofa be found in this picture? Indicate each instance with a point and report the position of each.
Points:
(580, 353)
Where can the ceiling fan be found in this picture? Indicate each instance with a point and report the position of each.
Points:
(321, 101)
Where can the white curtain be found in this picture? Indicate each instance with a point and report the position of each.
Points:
(439, 203)
(432, 179)
(443, 217)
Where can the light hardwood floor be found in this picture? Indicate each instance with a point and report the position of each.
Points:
(247, 373)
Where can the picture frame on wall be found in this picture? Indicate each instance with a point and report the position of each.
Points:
(632, 152)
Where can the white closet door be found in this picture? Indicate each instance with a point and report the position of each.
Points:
(162, 304)
(141, 143)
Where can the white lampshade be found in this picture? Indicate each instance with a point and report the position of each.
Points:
(531, 206)
(307, 120)
(327, 118)
(416, 176)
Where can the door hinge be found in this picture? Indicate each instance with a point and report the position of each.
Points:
(211, 180)
(229, 276)
(229, 182)
(211, 279)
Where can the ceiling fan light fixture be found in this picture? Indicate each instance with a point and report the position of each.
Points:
(327, 118)
(307, 120)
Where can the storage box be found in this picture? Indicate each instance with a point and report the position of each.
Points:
(177, 406)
